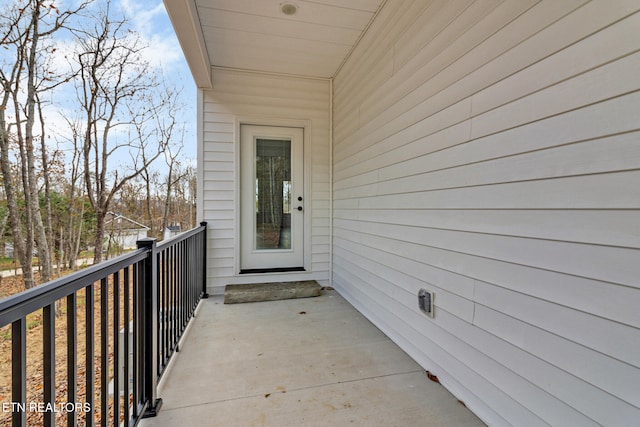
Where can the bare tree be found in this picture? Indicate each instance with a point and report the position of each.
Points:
(174, 176)
(72, 233)
(158, 123)
(26, 27)
(151, 179)
(117, 92)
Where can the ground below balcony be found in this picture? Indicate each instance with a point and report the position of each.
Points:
(299, 362)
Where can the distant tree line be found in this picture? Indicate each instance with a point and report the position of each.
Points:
(118, 129)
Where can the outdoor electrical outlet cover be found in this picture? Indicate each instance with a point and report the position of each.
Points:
(425, 302)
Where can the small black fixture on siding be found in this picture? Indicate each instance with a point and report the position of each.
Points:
(425, 302)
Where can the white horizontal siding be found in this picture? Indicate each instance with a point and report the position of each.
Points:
(490, 152)
(265, 99)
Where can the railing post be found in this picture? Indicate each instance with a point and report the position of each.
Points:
(204, 260)
(150, 328)
(19, 370)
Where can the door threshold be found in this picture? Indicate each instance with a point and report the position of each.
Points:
(271, 270)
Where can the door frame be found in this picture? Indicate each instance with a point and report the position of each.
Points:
(305, 125)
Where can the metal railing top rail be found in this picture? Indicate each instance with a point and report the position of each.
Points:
(16, 306)
(19, 305)
(180, 237)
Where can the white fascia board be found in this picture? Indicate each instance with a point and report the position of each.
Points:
(186, 24)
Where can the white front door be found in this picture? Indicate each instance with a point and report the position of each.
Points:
(271, 199)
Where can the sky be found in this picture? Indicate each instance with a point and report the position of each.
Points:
(150, 20)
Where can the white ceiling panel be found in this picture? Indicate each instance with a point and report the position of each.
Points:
(257, 35)
(246, 51)
(367, 5)
(311, 12)
(221, 19)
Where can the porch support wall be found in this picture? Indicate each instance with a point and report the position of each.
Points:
(488, 151)
(264, 99)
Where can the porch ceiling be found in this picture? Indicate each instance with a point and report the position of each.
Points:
(257, 35)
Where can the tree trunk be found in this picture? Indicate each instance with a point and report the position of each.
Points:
(147, 182)
(49, 248)
(31, 189)
(99, 236)
(76, 249)
(19, 241)
(167, 200)
(21, 247)
(3, 227)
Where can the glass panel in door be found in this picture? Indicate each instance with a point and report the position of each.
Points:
(273, 194)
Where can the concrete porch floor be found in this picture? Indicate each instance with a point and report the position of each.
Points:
(302, 362)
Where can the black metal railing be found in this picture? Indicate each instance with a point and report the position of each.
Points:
(106, 335)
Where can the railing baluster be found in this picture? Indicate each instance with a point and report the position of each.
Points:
(49, 362)
(19, 371)
(189, 278)
(203, 257)
(183, 288)
(163, 324)
(126, 350)
(188, 274)
(180, 291)
(89, 355)
(136, 341)
(104, 352)
(196, 270)
(168, 301)
(174, 294)
(116, 348)
(72, 357)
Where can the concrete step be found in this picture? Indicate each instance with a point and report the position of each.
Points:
(257, 292)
